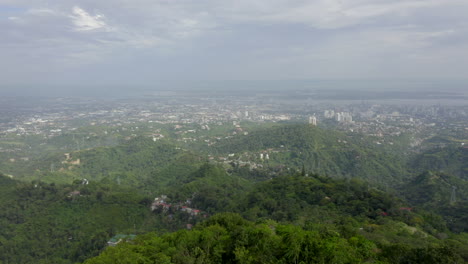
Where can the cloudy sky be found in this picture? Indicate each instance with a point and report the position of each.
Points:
(107, 42)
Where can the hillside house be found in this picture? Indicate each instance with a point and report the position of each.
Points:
(114, 241)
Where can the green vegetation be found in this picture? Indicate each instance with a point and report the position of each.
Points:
(65, 224)
(228, 238)
(211, 189)
(318, 197)
(452, 160)
(443, 194)
(319, 151)
(49, 223)
(46, 223)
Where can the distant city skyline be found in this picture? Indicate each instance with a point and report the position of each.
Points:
(143, 43)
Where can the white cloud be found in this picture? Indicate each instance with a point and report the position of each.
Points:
(342, 37)
(83, 21)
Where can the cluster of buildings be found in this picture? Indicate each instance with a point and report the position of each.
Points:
(386, 121)
(66, 116)
(161, 203)
(345, 117)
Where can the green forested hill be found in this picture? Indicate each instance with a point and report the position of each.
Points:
(451, 160)
(54, 223)
(436, 188)
(139, 162)
(227, 238)
(211, 189)
(48, 223)
(291, 198)
(298, 219)
(443, 194)
(132, 163)
(320, 151)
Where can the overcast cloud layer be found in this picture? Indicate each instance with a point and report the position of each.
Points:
(90, 42)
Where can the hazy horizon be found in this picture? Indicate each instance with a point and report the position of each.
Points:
(239, 86)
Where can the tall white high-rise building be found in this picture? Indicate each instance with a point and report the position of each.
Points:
(313, 120)
(338, 117)
(344, 117)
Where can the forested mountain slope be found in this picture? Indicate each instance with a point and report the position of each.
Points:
(443, 194)
(227, 238)
(320, 151)
(451, 160)
(48, 223)
(44, 223)
(139, 162)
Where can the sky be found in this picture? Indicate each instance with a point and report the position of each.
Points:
(143, 42)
